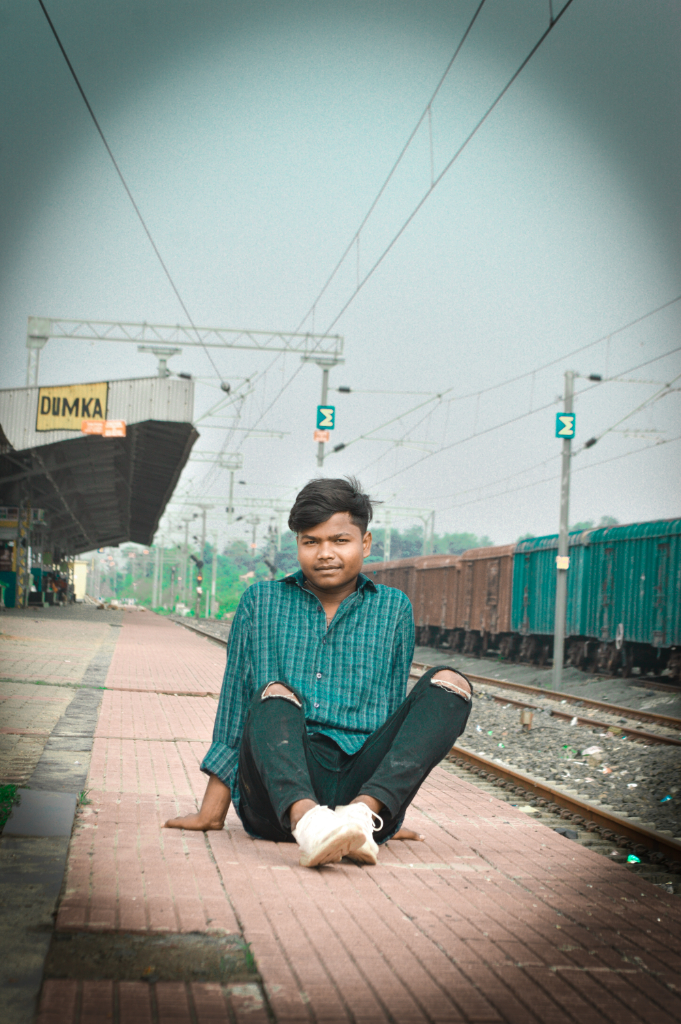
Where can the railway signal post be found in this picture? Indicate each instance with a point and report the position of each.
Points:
(325, 412)
(565, 429)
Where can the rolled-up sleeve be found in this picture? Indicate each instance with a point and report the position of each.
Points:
(403, 649)
(222, 758)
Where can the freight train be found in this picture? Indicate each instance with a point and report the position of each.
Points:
(623, 601)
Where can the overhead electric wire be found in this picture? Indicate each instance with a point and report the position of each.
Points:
(515, 419)
(666, 390)
(521, 376)
(553, 458)
(395, 165)
(549, 479)
(447, 166)
(127, 188)
(433, 186)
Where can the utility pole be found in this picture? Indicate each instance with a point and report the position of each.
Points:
(563, 561)
(163, 354)
(387, 538)
(325, 363)
(233, 462)
(185, 564)
(161, 555)
(199, 590)
(213, 581)
(254, 521)
(270, 558)
(154, 585)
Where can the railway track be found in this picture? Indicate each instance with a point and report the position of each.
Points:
(665, 721)
(595, 826)
(658, 854)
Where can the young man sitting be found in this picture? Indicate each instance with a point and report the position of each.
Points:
(315, 738)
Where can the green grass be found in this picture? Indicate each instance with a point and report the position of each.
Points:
(83, 798)
(8, 797)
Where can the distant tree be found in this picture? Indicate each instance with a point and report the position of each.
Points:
(457, 543)
(287, 559)
(589, 524)
(526, 536)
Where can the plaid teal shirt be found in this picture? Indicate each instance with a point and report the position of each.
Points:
(351, 676)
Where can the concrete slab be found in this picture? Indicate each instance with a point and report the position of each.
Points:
(41, 813)
(493, 919)
(31, 874)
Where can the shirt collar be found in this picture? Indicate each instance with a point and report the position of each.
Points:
(363, 582)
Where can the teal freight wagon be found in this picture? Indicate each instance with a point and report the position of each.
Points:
(623, 601)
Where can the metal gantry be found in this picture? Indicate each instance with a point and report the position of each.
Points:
(41, 329)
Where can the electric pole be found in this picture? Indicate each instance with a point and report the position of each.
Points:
(154, 586)
(563, 561)
(213, 581)
(185, 563)
(199, 589)
(160, 573)
(254, 521)
(387, 538)
(325, 363)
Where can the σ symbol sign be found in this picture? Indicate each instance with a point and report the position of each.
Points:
(326, 415)
(565, 424)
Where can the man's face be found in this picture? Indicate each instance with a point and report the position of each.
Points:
(331, 554)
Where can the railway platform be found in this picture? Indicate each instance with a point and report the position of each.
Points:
(494, 919)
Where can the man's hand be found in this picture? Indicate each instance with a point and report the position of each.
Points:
(214, 807)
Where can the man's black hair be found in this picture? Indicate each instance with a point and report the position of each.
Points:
(321, 499)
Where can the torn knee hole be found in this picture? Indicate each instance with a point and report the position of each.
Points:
(279, 690)
(462, 689)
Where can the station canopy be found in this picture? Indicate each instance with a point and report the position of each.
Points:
(101, 459)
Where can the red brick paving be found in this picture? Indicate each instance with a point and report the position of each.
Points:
(493, 919)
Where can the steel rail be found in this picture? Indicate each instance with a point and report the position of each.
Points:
(615, 709)
(643, 716)
(597, 817)
(594, 817)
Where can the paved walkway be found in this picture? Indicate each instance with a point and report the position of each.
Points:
(494, 919)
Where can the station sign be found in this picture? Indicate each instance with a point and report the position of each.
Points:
(326, 417)
(565, 424)
(65, 408)
(322, 436)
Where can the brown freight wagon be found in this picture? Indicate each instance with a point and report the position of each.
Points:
(435, 600)
(398, 574)
(484, 604)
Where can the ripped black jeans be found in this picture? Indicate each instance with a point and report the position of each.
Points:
(280, 763)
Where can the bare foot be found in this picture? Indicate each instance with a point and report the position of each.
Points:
(406, 833)
(194, 823)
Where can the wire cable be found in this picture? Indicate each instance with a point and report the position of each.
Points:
(431, 189)
(447, 166)
(556, 476)
(426, 113)
(515, 419)
(521, 376)
(127, 188)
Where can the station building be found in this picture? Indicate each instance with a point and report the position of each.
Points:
(84, 466)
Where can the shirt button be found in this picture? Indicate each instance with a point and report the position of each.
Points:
(319, 675)
(316, 705)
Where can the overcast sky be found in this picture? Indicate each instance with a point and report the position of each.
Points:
(255, 137)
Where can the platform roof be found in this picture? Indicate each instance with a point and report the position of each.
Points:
(97, 491)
